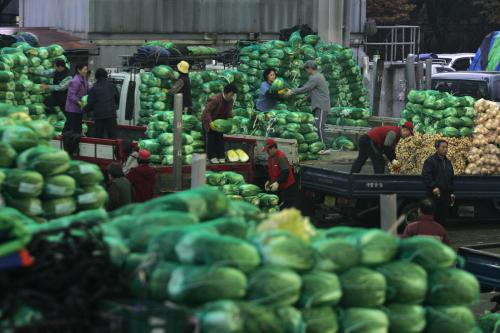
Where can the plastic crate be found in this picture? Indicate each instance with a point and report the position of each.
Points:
(133, 316)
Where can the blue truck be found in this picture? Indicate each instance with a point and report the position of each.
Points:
(357, 195)
(483, 261)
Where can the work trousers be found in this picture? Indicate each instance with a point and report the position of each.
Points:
(73, 122)
(320, 119)
(214, 144)
(106, 128)
(288, 196)
(51, 102)
(367, 149)
(441, 207)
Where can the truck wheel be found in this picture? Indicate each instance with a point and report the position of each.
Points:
(411, 212)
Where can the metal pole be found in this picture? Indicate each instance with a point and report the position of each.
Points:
(428, 74)
(388, 211)
(198, 170)
(410, 72)
(420, 75)
(177, 128)
(347, 23)
(377, 85)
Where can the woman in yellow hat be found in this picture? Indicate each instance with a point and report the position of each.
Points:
(183, 86)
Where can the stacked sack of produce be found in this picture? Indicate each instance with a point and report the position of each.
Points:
(154, 91)
(201, 50)
(484, 156)
(233, 185)
(344, 76)
(158, 225)
(160, 142)
(412, 152)
(348, 116)
(291, 125)
(41, 181)
(336, 63)
(22, 60)
(434, 112)
(241, 274)
(205, 84)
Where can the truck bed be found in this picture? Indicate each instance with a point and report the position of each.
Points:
(484, 262)
(330, 175)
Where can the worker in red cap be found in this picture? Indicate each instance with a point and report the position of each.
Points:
(280, 175)
(142, 178)
(378, 142)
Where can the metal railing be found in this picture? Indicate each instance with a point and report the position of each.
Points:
(394, 43)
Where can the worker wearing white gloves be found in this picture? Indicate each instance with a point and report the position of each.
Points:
(281, 178)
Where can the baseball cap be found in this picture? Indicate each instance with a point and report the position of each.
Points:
(269, 143)
(310, 64)
(408, 125)
(144, 154)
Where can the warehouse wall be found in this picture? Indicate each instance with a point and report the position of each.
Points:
(67, 15)
(200, 16)
(112, 18)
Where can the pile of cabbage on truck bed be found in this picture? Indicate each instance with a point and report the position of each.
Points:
(239, 271)
(347, 93)
(473, 143)
(233, 185)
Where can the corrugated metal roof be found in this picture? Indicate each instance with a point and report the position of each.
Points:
(51, 36)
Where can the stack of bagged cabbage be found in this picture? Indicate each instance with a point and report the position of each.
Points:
(205, 84)
(160, 142)
(348, 116)
(154, 92)
(233, 185)
(39, 180)
(241, 274)
(291, 125)
(343, 75)
(18, 85)
(336, 63)
(434, 112)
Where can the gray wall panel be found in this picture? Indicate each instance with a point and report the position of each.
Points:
(68, 15)
(140, 17)
(199, 16)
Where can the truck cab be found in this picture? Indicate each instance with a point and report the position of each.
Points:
(456, 61)
(128, 83)
(476, 84)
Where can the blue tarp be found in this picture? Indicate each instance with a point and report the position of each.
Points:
(480, 61)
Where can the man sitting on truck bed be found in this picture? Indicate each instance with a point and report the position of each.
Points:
(378, 142)
(425, 225)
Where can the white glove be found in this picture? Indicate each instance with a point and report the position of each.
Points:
(289, 93)
(266, 186)
(274, 187)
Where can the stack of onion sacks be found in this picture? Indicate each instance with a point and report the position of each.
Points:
(484, 156)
